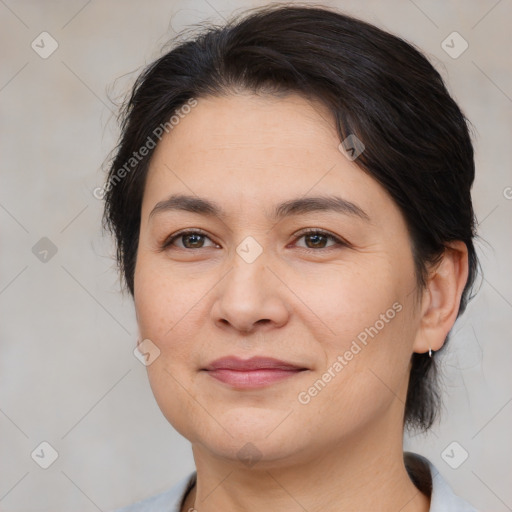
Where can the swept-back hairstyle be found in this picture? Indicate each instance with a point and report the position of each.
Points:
(377, 87)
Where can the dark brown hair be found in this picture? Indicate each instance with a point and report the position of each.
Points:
(377, 87)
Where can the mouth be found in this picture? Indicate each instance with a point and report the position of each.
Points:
(251, 373)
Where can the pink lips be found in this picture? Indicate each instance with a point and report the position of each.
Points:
(251, 373)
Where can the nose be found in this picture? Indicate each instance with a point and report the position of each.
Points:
(250, 298)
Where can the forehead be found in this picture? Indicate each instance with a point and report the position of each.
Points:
(264, 126)
(248, 149)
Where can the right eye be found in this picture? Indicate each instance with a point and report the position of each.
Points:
(190, 239)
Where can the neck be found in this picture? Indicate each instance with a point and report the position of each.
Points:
(365, 471)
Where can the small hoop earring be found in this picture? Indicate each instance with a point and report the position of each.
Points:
(429, 351)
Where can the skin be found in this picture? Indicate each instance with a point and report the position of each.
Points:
(302, 301)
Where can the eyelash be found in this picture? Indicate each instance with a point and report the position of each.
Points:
(339, 242)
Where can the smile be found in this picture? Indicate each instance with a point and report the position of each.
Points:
(248, 379)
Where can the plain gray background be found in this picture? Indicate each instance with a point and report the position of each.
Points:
(67, 369)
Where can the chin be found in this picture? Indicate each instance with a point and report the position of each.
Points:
(246, 434)
(258, 454)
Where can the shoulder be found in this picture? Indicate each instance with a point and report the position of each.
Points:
(429, 480)
(167, 501)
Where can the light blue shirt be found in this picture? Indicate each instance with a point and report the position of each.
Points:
(442, 498)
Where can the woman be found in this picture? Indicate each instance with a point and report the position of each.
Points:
(291, 204)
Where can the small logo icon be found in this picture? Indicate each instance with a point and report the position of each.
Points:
(44, 455)
(351, 147)
(99, 192)
(249, 454)
(44, 45)
(44, 250)
(249, 249)
(454, 45)
(146, 352)
(454, 455)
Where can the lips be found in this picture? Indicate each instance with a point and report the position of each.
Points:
(251, 373)
(255, 363)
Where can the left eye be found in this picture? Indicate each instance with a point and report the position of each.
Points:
(318, 239)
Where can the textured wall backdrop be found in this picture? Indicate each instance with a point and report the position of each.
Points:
(68, 374)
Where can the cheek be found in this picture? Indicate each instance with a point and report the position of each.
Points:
(161, 306)
(349, 299)
(170, 310)
(160, 301)
(371, 331)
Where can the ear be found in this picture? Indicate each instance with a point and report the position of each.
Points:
(441, 298)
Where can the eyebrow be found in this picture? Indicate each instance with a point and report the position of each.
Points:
(299, 206)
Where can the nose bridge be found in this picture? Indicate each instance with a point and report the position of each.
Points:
(249, 293)
(246, 285)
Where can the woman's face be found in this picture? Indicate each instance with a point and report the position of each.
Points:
(252, 282)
